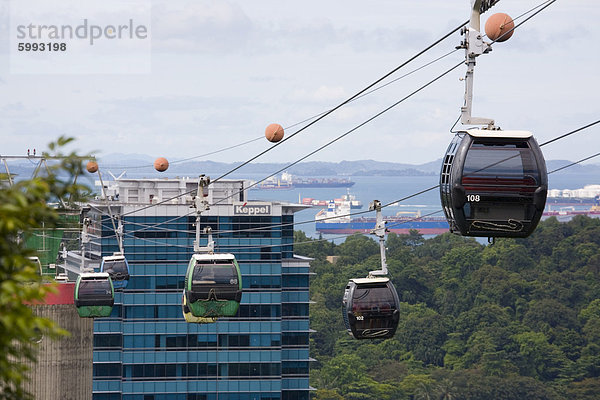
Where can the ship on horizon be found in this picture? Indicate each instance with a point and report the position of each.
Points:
(351, 199)
(336, 219)
(287, 181)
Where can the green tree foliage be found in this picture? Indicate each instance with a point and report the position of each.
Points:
(22, 208)
(519, 319)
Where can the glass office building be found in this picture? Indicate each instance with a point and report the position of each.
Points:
(146, 350)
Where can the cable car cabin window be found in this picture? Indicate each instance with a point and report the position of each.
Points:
(374, 299)
(117, 267)
(219, 278)
(507, 171)
(99, 289)
(500, 167)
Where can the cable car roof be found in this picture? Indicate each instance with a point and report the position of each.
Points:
(370, 280)
(499, 133)
(214, 256)
(95, 275)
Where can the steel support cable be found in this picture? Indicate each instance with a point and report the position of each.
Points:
(570, 133)
(417, 69)
(351, 130)
(306, 119)
(573, 163)
(322, 115)
(381, 86)
(344, 102)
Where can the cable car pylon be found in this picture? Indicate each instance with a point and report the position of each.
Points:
(370, 306)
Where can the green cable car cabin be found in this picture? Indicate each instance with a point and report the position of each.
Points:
(213, 285)
(94, 295)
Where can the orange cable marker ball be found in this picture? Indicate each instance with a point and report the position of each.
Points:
(161, 164)
(92, 166)
(497, 26)
(274, 133)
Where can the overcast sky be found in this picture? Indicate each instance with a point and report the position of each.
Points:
(221, 71)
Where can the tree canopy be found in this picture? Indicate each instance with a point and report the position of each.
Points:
(513, 320)
(23, 206)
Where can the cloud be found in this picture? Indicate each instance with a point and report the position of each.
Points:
(208, 26)
(226, 27)
(322, 94)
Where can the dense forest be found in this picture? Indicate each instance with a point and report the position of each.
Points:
(518, 319)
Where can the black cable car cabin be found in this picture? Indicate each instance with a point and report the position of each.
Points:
(370, 308)
(118, 269)
(493, 183)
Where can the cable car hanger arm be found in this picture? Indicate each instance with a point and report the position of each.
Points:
(379, 231)
(201, 204)
(474, 46)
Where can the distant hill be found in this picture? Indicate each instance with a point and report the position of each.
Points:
(310, 168)
(140, 164)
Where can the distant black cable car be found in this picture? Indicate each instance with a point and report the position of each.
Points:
(94, 295)
(493, 183)
(370, 308)
(118, 269)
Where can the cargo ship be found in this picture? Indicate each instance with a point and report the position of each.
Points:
(287, 181)
(589, 194)
(336, 220)
(322, 183)
(351, 199)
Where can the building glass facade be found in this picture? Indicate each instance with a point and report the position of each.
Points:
(146, 351)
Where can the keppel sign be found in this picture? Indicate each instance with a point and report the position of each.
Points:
(251, 209)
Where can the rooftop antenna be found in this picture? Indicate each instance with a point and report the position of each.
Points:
(201, 204)
(474, 46)
(379, 231)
